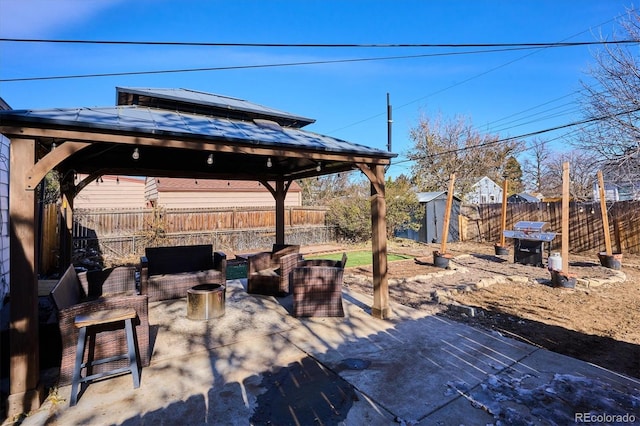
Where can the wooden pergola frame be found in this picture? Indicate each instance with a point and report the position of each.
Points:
(37, 147)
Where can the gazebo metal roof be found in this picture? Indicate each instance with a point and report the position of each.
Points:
(206, 103)
(255, 149)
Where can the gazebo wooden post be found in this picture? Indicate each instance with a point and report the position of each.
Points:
(25, 392)
(380, 308)
(280, 196)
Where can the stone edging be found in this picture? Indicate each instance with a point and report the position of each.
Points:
(444, 296)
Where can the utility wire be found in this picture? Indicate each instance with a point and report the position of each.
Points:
(287, 64)
(320, 45)
(469, 79)
(526, 135)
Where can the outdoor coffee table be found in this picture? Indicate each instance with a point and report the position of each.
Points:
(205, 301)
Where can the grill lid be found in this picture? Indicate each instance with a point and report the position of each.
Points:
(533, 231)
(528, 226)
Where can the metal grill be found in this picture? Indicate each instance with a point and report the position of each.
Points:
(528, 242)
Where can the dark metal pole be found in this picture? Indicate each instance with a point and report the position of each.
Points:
(389, 124)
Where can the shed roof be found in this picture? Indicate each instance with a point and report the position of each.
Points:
(425, 197)
(524, 197)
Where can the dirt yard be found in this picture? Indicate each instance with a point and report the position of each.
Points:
(598, 323)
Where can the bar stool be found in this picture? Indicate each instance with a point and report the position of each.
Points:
(85, 322)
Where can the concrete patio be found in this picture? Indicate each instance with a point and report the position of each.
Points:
(260, 365)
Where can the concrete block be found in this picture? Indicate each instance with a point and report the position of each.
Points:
(596, 282)
(582, 283)
(463, 309)
(486, 282)
(500, 279)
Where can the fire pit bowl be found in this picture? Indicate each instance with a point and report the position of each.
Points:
(205, 301)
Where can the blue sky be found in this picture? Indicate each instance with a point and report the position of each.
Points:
(507, 93)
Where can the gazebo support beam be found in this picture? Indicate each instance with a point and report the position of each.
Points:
(279, 194)
(25, 391)
(375, 173)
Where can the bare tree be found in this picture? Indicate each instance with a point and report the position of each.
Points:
(582, 170)
(442, 147)
(536, 165)
(613, 101)
(319, 191)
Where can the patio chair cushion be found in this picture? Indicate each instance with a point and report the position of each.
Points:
(172, 260)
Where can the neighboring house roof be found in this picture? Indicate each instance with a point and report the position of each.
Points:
(484, 179)
(425, 197)
(206, 103)
(208, 185)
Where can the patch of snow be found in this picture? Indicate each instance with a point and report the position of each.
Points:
(511, 402)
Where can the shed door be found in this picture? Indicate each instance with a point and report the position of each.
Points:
(434, 220)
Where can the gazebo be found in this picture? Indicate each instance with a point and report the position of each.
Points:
(162, 133)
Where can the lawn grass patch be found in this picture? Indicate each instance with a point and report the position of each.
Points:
(358, 258)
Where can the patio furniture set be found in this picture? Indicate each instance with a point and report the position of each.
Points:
(103, 315)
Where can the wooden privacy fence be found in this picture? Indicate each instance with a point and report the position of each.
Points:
(119, 233)
(585, 223)
(110, 222)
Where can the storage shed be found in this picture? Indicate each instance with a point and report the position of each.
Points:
(434, 204)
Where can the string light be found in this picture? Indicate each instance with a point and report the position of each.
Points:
(136, 154)
(210, 159)
(269, 164)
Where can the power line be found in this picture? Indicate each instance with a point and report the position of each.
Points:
(321, 45)
(526, 135)
(473, 78)
(240, 67)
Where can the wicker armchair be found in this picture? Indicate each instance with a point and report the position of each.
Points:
(168, 272)
(317, 288)
(268, 272)
(88, 292)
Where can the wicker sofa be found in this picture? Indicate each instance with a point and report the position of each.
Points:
(168, 272)
(87, 292)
